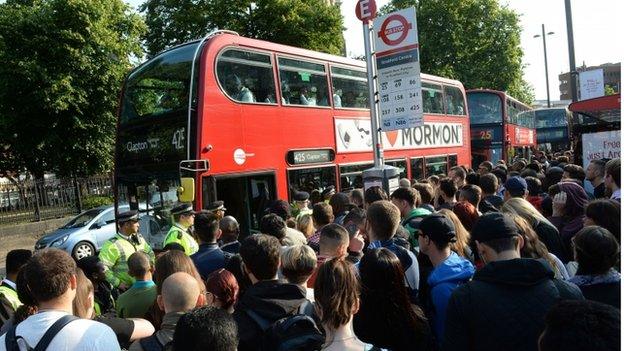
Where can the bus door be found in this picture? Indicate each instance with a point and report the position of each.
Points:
(245, 196)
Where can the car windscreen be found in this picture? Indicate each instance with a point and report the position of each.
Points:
(83, 219)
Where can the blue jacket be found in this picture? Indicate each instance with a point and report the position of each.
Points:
(209, 258)
(455, 270)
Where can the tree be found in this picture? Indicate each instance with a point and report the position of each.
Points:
(608, 90)
(62, 64)
(474, 41)
(311, 24)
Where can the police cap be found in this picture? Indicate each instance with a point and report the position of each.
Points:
(216, 206)
(126, 216)
(301, 196)
(330, 190)
(182, 208)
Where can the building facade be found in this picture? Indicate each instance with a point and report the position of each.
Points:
(612, 78)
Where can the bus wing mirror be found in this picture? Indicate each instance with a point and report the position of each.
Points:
(186, 191)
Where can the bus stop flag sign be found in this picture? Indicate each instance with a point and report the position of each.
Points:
(398, 70)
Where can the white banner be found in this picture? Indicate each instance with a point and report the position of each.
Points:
(592, 84)
(600, 145)
(354, 135)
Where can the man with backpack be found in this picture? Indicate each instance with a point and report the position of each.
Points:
(407, 200)
(267, 314)
(180, 293)
(51, 277)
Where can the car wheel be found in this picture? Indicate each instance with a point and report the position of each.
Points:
(83, 249)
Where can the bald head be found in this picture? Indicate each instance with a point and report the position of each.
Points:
(180, 292)
(229, 229)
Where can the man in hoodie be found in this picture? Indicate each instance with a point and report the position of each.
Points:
(407, 200)
(504, 306)
(267, 298)
(450, 270)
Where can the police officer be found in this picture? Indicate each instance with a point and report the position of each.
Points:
(9, 301)
(328, 192)
(301, 205)
(183, 219)
(217, 208)
(116, 251)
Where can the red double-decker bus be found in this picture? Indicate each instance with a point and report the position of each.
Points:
(501, 127)
(264, 120)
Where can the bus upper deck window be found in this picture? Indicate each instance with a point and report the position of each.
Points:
(432, 98)
(303, 83)
(454, 101)
(246, 76)
(350, 88)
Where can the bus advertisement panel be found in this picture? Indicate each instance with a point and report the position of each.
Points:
(266, 120)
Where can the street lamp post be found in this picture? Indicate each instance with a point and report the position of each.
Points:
(545, 61)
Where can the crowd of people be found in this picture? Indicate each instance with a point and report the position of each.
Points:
(506, 257)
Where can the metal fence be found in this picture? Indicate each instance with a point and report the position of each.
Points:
(36, 200)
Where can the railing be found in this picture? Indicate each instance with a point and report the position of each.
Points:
(37, 200)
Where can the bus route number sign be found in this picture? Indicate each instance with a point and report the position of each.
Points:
(398, 70)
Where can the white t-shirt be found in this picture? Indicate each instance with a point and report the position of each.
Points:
(82, 334)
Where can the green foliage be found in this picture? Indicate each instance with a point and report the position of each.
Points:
(93, 201)
(62, 64)
(310, 24)
(609, 90)
(474, 41)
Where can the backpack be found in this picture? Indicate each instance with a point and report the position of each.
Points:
(297, 332)
(46, 339)
(151, 343)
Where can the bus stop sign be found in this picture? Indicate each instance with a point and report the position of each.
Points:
(366, 10)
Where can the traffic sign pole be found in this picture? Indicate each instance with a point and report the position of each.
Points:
(368, 52)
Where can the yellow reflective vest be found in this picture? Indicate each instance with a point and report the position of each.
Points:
(10, 295)
(179, 234)
(115, 253)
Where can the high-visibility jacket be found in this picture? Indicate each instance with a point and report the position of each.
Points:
(115, 253)
(10, 295)
(178, 234)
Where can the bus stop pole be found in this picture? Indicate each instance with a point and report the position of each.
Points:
(370, 71)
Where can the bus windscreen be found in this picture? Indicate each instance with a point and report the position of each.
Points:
(550, 118)
(485, 108)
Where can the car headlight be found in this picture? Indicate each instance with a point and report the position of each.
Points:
(59, 242)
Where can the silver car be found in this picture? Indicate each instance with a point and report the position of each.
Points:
(86, 233)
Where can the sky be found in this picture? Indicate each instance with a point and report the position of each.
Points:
(597, 36)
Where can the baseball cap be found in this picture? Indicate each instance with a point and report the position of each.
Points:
(438, 228)
(494, 225)
(516, 185)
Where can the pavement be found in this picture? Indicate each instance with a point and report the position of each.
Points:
(12, 243)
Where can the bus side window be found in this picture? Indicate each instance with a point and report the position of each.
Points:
(303, 83)
(349, 88)
(432, 98)
(455, 104)
(246, 76)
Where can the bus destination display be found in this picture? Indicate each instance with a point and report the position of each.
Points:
(300, 157)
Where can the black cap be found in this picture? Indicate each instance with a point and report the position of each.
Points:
(438, 228)
(329, 190)
(215, 206)
(301, 196)
(182, 208)
(494, 225)
(131, 215)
